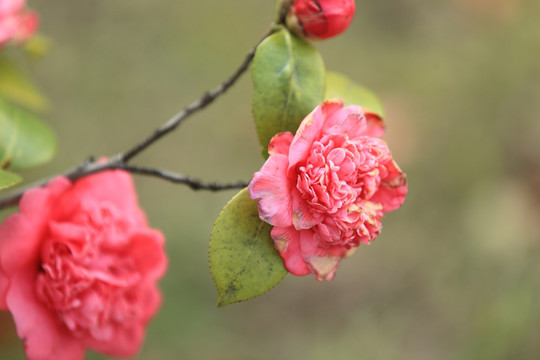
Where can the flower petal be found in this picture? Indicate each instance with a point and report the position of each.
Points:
(375, 125)
(286, 241)
(355, 121)
(280, 143)
(336, 114)
(44, 337)
(309, 130)
(126, 342)
(302, 217)
(393, 188)
(271, 187)
(320, 263)
(12, 6)
(323, 267)
(4, 287)
(146, 248)
(21, 234)
(111, 186)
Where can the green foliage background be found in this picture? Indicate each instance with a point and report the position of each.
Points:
(455, 273)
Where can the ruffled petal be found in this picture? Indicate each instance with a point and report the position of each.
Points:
(353, 125)
(355, 121)
(302, 216)
(271, 187)
(319, 262)
(44, 337)
(146, 249)
(114, 187)
(335, 113)
(393, 188)
(21, 234)
(374, 125)
(310, 129)
(126, 342)
(280, 143)
(286, 241)
(323, 267)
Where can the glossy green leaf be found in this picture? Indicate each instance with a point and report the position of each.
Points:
(25, 141)
(243, 261)
(288, 79)
(339, 86)
(14, 85)
(8, 179)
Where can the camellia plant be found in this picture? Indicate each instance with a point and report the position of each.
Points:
(79, 264)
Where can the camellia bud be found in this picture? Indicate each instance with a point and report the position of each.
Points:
(319, 19)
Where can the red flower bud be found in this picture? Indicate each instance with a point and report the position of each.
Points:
(320, 19)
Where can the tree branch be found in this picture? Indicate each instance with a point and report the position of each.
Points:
(120, 161)
(92, 167)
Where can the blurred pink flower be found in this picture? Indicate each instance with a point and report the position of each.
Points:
(320, 19)
(325, 189)
(79, 266)
(16, 22)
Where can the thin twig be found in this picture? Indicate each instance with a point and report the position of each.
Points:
(194, 184)
(207, 98)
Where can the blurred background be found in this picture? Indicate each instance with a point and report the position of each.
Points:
(455, 273)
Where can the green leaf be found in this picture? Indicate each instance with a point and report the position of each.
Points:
(243, 261)
(8, 179)
(288, 79)
(25, 141)
(339, 86)
(37, 46)
(15, 86)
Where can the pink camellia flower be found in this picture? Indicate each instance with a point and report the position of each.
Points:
(320, 19)
(325, 189)
(79, 266)
(16, 22)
